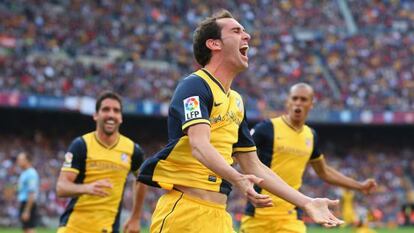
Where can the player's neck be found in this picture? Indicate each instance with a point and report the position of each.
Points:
(223, 75)
(296, 125)
(105, 139)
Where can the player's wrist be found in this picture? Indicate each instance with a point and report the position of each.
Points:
(236, 178)
(84, 189)
(359, 186)
(305, 202)
(135, 216)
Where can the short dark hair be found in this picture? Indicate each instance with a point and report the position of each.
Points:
(107, 95)
(207, 29)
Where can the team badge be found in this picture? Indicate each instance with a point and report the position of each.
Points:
(239, 104)
(192, 108)
(68, 159)
(124, 157)
(308, 142)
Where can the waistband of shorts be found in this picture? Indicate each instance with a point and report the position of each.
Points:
(279, 213)
(197, 200)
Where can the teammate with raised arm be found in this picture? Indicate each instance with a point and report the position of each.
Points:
(286, 145)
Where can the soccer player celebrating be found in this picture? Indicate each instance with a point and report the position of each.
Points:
(94, 174)
(206, 127)
(286, 145)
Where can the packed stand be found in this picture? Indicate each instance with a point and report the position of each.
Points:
(375, 72)
(387, 165)
(141, 49)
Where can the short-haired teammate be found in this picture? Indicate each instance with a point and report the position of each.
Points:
(206, 127)
(27, 193)
(95, 171)
(286, 145)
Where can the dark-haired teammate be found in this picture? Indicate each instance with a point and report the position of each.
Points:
(286, 145)
(207, 127)
(94, 174)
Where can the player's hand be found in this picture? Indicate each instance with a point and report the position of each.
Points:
(99, 188)
(132, 225)
(318, 210)
(368, 186)
(25, 216)
(245, 185)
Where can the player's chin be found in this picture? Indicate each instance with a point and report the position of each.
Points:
(244, 59)
(298, 118)
(244, 64)
(110, 130)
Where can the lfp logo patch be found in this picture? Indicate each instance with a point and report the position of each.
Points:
(68, 159)
(192, 108)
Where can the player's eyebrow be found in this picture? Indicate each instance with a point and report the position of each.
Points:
(238, 28)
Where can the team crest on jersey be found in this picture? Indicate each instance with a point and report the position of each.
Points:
(124, 157)
(308, 142)
(192, 108)
(239, 104)
(68, 159)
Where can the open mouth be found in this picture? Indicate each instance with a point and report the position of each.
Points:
(110, 122)
(243, 50)
(298, 110)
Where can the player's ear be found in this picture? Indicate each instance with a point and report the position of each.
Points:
(95, 116)
(312, 102)
(213, 44)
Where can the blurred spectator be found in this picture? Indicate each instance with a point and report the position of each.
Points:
(142, 48)
(385, 164)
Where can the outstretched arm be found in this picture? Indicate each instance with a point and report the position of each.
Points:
(317, 208)
(332, 176)
(132, 224)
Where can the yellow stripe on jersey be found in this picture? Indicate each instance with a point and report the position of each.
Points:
(194, 122)
(244, 149)
(67, 169)
(317, 159)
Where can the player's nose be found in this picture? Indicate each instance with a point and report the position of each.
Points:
(246, 36)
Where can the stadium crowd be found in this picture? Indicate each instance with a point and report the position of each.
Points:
(388, 165)
(142, 48)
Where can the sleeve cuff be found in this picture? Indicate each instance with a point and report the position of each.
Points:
(166, 186)
(69, 169)
(320, 157)
(244, 149)
(194, 122)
